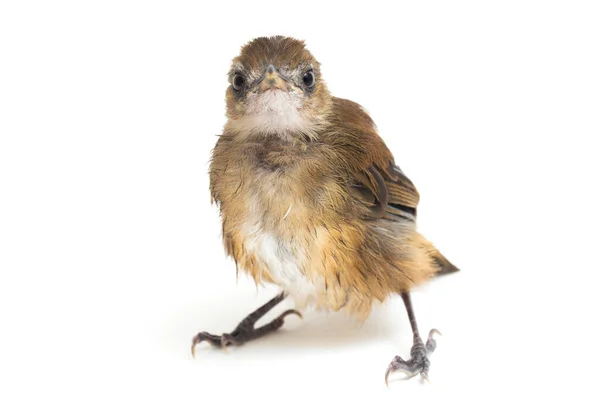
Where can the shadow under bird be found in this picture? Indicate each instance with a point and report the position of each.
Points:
(311, 199)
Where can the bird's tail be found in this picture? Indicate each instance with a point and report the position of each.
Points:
(444, 266)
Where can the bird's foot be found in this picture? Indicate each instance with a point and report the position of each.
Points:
(243, 333)
(419, 359)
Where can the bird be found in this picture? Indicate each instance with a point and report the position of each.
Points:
(312, 200)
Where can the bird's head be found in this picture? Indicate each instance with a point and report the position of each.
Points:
(276, 88)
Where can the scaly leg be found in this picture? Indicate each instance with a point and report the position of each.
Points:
(245, 330)
(419, 353)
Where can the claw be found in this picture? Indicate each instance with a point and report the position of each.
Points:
(201, 337)
(289, 312)
(387, 374)
(431, 343)
(398, 364)
(434, 332)
(197, 339)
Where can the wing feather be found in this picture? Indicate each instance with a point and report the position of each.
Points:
(388, 193)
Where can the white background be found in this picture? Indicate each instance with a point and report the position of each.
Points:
(110, 252)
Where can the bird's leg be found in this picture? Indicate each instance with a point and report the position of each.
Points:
(245, 331)
(419, 353)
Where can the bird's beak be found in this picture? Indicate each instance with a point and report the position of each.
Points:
(272, 80)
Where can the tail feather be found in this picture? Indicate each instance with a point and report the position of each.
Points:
(444, 266)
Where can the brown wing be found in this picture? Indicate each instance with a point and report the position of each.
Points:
(377, 182)
(388, 193)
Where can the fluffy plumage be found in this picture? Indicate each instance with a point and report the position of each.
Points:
(310, 197)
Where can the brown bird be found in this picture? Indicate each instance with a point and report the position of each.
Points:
(311, 198)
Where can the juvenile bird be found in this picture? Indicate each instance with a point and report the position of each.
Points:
(311, 199)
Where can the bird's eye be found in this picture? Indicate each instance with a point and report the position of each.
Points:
(309, 79)
(238, 81)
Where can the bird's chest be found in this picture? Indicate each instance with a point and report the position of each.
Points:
(284, 262)
(277, 190)
(272, 218)
(275, 231)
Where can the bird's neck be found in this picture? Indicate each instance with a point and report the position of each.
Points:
(286, 126)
